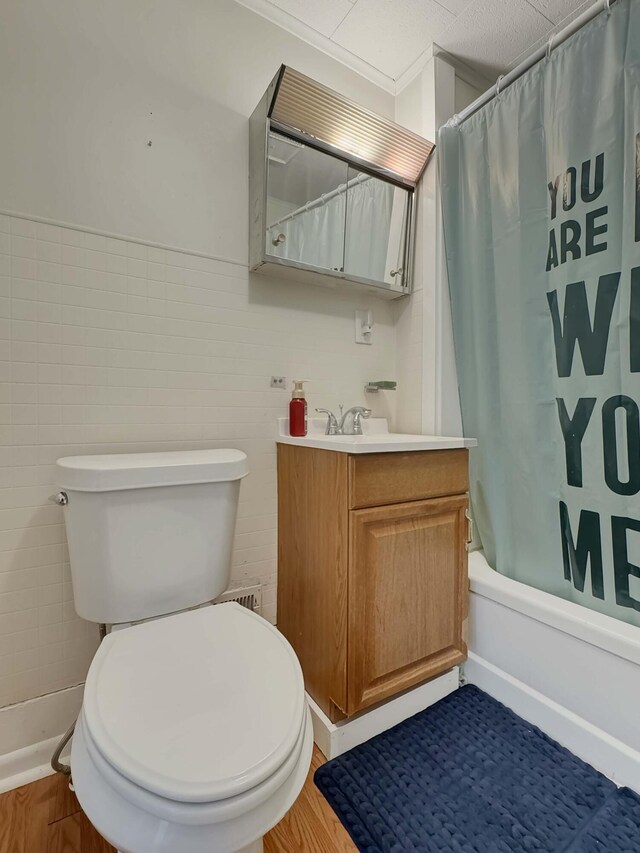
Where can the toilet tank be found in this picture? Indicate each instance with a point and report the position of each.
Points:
(149, 533)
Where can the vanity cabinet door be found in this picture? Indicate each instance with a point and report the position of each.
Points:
(407, 596)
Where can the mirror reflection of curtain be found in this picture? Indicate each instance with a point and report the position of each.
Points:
(314, 237)
(394, 273)
(369, 205)
(315, 234)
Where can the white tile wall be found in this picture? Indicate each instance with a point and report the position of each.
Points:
(108, 345)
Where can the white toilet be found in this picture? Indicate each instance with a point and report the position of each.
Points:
(194, 735)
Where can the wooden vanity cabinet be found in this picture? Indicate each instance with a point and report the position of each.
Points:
(372, 570)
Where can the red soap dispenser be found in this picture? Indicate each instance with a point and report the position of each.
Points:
(298, 409)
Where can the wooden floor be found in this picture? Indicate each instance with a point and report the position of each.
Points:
(45, 817)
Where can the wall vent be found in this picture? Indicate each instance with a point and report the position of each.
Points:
(247, 594)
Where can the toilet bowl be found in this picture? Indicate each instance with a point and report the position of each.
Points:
(194, 734)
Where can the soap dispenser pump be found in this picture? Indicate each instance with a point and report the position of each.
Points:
(298, 409)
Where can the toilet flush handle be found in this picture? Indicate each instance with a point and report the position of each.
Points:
(61, 499)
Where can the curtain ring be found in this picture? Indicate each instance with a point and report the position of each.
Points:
(550, 45)
(498, 81)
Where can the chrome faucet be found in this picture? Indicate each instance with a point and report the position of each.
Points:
(358, 412)
(337, 427)
(332, 422)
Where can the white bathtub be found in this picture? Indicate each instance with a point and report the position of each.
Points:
(572, 672)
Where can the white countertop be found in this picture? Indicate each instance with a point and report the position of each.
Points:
(376, 438)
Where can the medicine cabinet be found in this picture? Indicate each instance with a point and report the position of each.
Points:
(332, 189)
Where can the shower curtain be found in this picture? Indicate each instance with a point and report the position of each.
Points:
(369, 206)
(541, 211)
(314, 237)
(349, 231)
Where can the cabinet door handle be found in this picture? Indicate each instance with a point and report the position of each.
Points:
(469, 528)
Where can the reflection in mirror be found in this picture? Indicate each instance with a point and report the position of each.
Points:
(306, 204)
(325, 214)
(331, 189)
(376, 223)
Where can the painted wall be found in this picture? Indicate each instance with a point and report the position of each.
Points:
(111, 343)
(87, 84)
(466, 92)
(410, 109)
(424, 106)
(428, 398)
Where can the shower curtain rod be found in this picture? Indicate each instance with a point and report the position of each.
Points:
(323, 199)
(507, 79)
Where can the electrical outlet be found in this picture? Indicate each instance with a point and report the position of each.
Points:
(279, 382)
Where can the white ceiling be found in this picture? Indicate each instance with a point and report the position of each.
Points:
(387, 40)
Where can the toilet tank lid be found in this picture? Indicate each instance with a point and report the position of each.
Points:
(110, 472)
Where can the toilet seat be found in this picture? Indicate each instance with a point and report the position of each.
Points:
(192, 814)
(155, 825)
(197, 714)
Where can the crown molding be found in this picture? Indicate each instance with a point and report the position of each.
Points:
(417, 67)
(305, 33)
(463, 70)
(315, 39)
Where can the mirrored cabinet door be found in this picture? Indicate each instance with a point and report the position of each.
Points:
(331, 190)
(306, 205)
(376, 229)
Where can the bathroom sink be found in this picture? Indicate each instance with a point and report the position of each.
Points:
(376, 438)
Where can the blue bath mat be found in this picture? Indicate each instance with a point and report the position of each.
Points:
(615, 827)
(469, 776)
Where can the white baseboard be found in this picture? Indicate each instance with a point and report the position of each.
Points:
(29, 764)
(29, 733)
(332, 739)
(621, 763)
